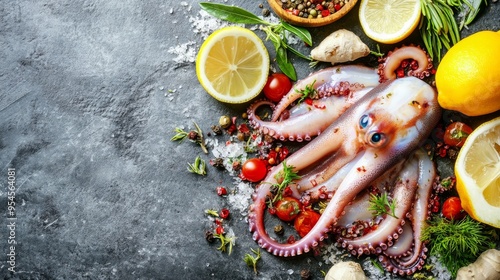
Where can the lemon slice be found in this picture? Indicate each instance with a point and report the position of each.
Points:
(477, 169)
(389, 21)
(232, 65)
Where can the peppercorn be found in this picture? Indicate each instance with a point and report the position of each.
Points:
(305, 274)
(209, 236)
(217, 129)
(225, 121)
(217, 162)
(193, 135)
(265, 12)
(279, 229)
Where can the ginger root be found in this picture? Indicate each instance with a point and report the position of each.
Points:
(340, 46)
(346, 271)
(486, 267)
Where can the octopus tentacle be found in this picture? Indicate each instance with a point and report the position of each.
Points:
(338, 88)
(390, 228)
(389, 64)
(385, 125)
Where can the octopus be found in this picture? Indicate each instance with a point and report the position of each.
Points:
(364, 134)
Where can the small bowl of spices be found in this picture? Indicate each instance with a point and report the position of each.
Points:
(311, 13)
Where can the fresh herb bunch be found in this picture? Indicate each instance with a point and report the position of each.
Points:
(380, 205)
(276, 33)
(286, 176)
(438, 28)
(457, 243)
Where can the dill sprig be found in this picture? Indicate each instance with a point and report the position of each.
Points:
(380, 205)
(308, 92)
(198, 167)
(457, 243)
(285, 177)
(251, 261)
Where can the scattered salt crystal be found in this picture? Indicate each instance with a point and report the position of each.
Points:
(186, 53)
(184, 3)
(204, 24)
(171, 10)
(290, 271)
(241, 198)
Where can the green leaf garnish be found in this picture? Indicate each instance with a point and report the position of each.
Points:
(285, 177)
(251, 261)
(380, 205)
(457, 243)
(198, 167)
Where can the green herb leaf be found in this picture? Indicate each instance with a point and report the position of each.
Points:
(300, 32)
(308, 92)
(284, 64)
(380, 205)
(225, 241)
(198, 167)
(457, 243)
(251, 261)
(231, 13)
(286, 176)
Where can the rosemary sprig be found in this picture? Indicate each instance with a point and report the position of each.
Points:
(438, 28)
(198, 167)
(380, 205)
(285, 177)
(251, 261)
(225, 241)
(457, 243)
(308, 92)
(276, 33)
(195, 136)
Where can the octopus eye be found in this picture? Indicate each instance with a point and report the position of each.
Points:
(377, 139)
(364, 121)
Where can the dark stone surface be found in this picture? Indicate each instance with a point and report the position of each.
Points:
(89, 97)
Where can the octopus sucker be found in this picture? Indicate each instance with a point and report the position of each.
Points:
(421, 68)
(373, 142)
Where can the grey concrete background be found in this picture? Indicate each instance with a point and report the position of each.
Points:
(89, 97)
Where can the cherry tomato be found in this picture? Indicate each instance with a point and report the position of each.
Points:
(305, 221)
(456, 133)
(254, 169)
(277, 86)
(452, 209)
(288, 208)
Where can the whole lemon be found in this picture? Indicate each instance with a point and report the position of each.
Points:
(468, 77)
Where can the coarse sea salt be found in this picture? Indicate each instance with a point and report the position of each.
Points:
(186, 53)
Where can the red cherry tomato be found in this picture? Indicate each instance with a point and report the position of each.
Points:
(305, 221)
(456, 133)
(277, 86)
(254, 169)
(452, 209)
(288, 208)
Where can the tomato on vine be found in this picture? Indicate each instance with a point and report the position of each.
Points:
(305, 221)
(456, 133)
(254, 169)
(287, 208)
(277, 86)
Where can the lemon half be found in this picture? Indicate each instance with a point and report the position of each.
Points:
(232, 65)
(477, 169)
(389, 21)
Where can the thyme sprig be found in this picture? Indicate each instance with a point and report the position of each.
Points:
(277, 33)
(457, 243)
(380, 205)
(225, 241)
(198, 167)
(284, 177)
(195, 136)
(251, 261)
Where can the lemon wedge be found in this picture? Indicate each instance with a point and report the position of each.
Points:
(389, 21)
(477, 169)
(232, 65)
